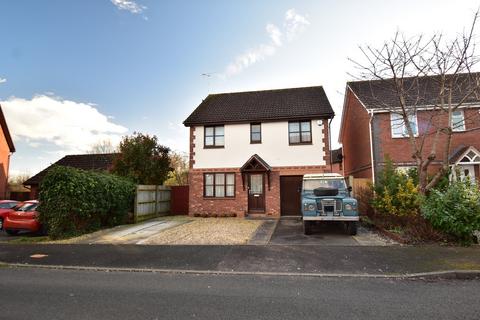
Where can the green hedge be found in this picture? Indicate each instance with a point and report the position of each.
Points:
(73, 201)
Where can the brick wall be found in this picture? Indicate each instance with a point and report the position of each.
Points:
(356, 139)
(239, 205)
(399, 149)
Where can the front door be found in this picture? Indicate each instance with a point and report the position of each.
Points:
(256, 192)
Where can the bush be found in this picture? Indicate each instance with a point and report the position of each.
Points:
(75, 201)
(455, 211)
(396, 193)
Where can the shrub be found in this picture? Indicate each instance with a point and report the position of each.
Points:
(74, 201)
(455, 210)
(396, 193)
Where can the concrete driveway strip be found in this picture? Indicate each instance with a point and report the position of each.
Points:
(135, 234)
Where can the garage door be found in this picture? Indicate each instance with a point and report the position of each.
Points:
(290, 188)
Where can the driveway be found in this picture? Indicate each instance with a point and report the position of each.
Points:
(290, 232)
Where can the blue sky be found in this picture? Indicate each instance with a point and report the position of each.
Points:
(76, 72)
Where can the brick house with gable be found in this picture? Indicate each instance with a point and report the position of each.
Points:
(249, 150)
(6, 149)
(370, 131)
(95, 162)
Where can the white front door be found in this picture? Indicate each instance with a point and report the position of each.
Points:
(467, 170)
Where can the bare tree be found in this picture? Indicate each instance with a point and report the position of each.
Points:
(18, 179)
(434, 74)
(104, 146)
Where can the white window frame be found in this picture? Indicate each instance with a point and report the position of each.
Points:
(456, 125)
(404, 134)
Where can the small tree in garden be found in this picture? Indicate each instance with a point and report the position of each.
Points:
(400, 66)
(179, 175)
(142, 159)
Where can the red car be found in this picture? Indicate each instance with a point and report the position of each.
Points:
(23, 218)
(5, 207)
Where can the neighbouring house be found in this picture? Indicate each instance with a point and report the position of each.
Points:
(249, 150)
(6, 150)
(337, 161)
(370, 131)
(99, 162)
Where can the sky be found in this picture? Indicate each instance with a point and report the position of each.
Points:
(77, 72)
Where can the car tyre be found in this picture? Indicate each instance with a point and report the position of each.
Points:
(307, 227)
(1, 223)
(352, 228)
(11, 232)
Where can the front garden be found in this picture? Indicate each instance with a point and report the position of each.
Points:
(449, 213)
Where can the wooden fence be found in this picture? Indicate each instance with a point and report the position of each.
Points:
(151, 201)
(361, 190)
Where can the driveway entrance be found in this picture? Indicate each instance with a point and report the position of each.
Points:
(290, 232)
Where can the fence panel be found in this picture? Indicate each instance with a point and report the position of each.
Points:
(151, 201)
(362, 192)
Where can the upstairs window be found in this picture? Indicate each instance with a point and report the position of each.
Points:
(300, 132)
(399, 129)
(255, 133)
(214, 137)
(458, 120)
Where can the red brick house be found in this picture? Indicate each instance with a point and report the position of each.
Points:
(6, 149)
(249, 150)
(369, 131)
(98, 162)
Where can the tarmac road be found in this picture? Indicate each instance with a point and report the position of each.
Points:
(67, 294)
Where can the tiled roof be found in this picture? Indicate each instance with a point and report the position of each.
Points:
(101, 162)
(267, 105)
(422, 91)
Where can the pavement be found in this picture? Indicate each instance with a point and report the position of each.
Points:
(68, 294)
(378, 261)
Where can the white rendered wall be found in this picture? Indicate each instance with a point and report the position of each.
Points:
(274, 148)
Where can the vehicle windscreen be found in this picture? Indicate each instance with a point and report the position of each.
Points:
(27, 207)
(312, 184)
(7, 205)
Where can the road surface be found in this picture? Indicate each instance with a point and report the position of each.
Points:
(67, 294)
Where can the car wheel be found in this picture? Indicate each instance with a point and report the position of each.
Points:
(307, 227)
(352, 228)
(1, 223)
(11, 232)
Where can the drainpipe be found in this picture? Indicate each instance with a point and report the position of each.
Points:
(330, 144)
(370, 113)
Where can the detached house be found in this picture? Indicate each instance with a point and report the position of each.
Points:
(370, 130)
(249, 150)
(6, 149)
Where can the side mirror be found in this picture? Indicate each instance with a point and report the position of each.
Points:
(349, 188)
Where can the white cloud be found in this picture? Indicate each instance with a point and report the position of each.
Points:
(129, 5)
(294, 24)
(72, 126)
(3, 80)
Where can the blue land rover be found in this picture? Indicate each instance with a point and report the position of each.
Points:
(325, 197)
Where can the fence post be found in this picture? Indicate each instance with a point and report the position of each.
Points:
(135, 207)
(156, 200)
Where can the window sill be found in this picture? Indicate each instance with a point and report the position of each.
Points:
(255, 142)
(218, 198)
(404, 137)
(301, 144)
(214, 147)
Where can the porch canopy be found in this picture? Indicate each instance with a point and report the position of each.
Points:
(255, 165)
